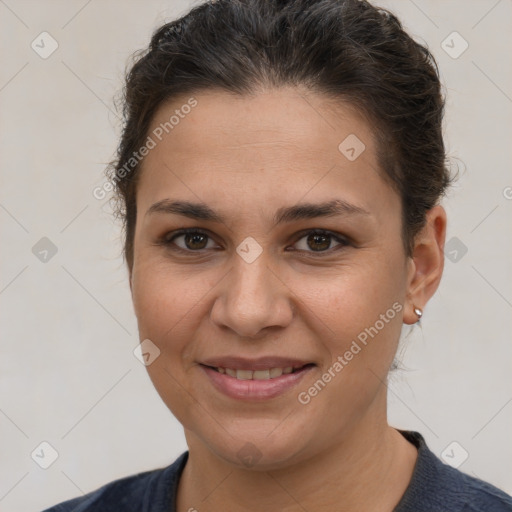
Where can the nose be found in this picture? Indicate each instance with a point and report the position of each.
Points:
(252, 300)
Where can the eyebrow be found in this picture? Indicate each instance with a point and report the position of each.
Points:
(302, 211)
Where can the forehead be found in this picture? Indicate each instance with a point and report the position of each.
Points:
(281, 117)
(279, 144)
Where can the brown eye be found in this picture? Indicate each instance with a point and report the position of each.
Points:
(318, 241)
(195, 241)
(192, 241)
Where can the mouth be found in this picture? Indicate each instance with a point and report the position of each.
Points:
(255, 380)
(267, 374)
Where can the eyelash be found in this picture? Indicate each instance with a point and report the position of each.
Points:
(168, 241)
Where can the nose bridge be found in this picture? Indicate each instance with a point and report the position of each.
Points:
(252, 299)
(250, 281)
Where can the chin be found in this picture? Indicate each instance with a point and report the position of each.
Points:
(257, 450)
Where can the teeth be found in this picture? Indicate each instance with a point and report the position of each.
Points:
(244, 374)
(276, 372)
(257, 374)
(261, 375)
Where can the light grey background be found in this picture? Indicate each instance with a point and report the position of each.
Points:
(67, 369)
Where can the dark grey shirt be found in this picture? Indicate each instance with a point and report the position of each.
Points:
(434, 487)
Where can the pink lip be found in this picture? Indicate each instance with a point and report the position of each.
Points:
(254, 389)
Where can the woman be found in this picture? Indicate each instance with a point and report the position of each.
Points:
(279, 176)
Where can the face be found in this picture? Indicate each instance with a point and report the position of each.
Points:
(293, 258)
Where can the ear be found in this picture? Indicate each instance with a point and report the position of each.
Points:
(427, 263)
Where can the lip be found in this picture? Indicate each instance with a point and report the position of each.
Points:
(256, 390)
(260, 363)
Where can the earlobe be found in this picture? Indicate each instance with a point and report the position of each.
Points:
(427, 264)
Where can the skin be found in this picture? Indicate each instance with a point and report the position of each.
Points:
(246, 157)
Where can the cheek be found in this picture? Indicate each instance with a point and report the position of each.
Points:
(352, 298)
(171, 306)
(167, 305)
(359, 325)
(156, 307)
(164, 296)
(358, 318)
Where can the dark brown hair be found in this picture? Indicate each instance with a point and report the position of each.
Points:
(345, 49)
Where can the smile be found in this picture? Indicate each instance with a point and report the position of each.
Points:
(271, 373)
(257, 384)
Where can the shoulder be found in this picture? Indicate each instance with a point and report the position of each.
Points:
(438, 487)
(474, 494)
(153, 491)
(482, 496)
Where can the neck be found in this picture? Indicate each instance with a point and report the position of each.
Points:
(369, 469)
